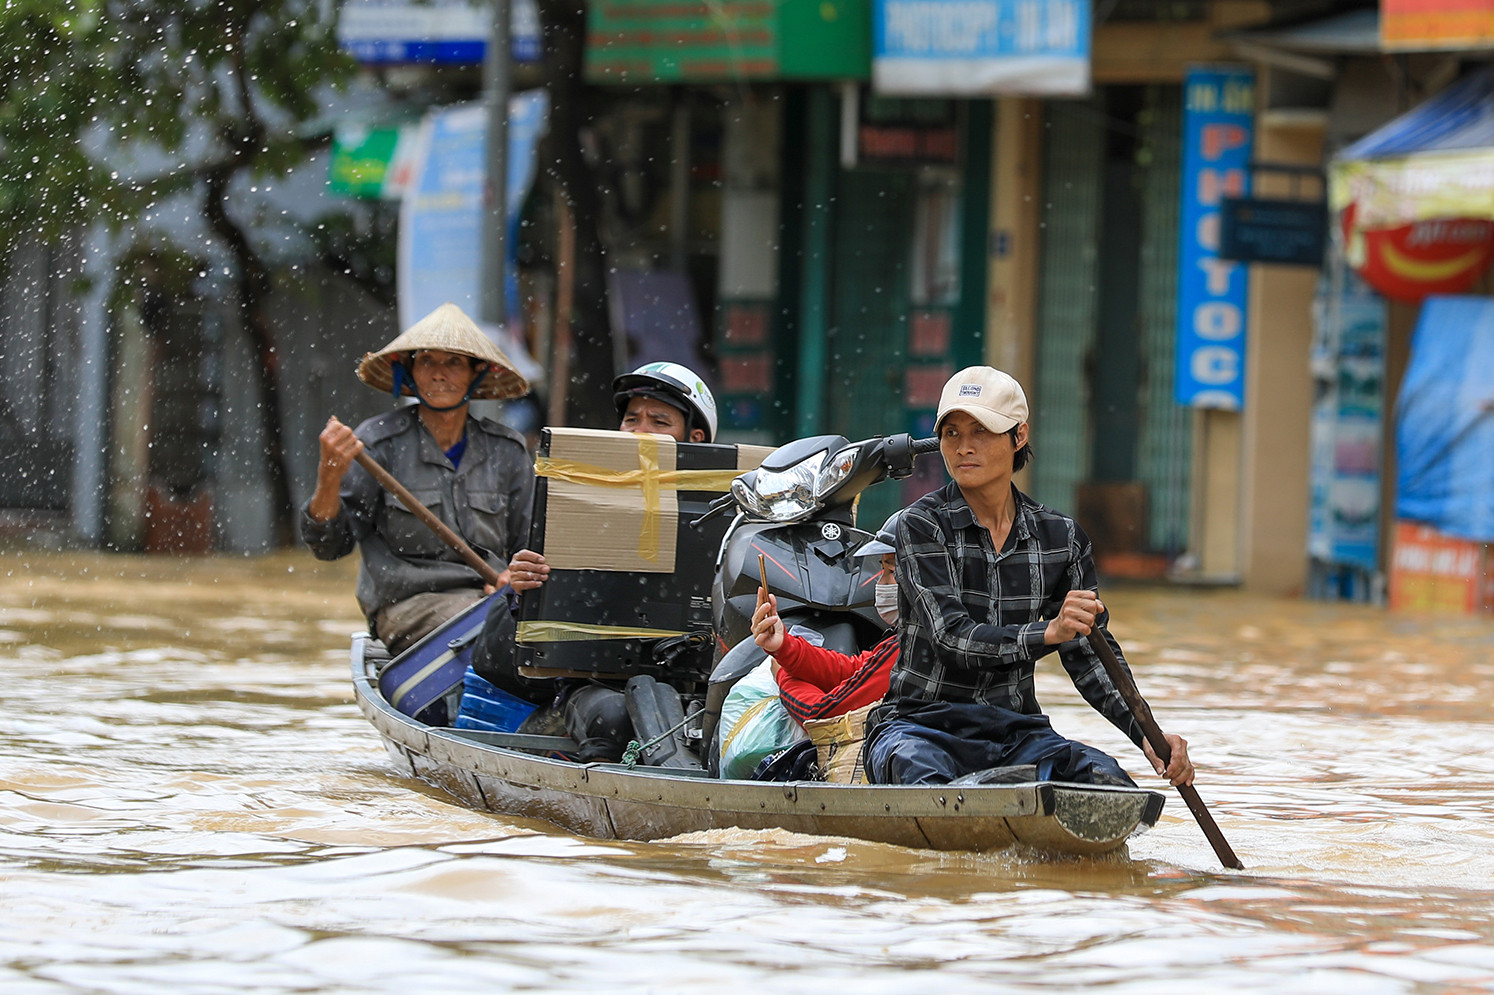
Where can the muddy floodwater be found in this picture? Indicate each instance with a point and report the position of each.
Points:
(190, 803)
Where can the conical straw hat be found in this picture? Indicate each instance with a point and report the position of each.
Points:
(449, 329)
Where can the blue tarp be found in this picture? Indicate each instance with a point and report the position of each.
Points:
(1459, 117)
(1445, 420)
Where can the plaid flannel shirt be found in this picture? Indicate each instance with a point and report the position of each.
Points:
(973, 618)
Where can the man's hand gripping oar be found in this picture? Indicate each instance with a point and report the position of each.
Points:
(340, 446)
(1158, 741)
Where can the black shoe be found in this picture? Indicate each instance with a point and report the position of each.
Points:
(1000, 775)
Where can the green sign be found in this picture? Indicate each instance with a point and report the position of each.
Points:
(361, 159)
(715, 41)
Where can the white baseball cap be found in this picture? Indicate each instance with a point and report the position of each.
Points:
(986, 394)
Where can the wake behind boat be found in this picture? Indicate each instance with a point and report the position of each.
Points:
(520, 775)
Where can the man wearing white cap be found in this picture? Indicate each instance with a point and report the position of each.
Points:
(989, 582)
(473, 473)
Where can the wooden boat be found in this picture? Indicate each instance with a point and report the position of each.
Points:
(511, 774)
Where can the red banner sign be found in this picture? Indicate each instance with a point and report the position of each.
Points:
(1409, 263)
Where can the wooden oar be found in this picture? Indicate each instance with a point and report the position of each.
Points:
(386, 479)
(1143, 712)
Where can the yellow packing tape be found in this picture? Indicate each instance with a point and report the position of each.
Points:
(648, 463)
(577, 632)
(678, 480)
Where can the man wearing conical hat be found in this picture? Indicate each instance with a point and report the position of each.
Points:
(473, 473)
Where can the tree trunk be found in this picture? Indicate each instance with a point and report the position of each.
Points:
(253, 284)
(572, 105)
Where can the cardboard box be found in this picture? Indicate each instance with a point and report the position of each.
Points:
(1430, 571)
(614, 516)
(612, 499)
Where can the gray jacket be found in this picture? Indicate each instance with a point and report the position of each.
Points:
(485, 501)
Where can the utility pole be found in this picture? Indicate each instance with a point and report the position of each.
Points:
(496, 84)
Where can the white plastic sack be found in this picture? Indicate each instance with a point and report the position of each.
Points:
(754, 723)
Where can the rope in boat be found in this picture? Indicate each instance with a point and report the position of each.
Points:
(636, 749)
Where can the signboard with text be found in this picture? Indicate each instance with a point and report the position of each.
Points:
(1218, 132)
(1289, 232)
(441, 32)
(1422, 25)
(980, 47)
(374, 162)
(703, 41)
(894, 131)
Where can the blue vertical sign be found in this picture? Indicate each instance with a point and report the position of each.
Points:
(439, 251)
(1218, 129)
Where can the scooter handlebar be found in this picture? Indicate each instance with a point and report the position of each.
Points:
(922, 447)
(715, 508)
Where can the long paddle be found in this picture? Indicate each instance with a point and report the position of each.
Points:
(1143, 712)
(386, 479)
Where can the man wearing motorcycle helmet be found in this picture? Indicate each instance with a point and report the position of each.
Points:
(655, 399)
(665, 399)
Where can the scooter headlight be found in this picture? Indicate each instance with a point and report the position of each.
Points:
(835, 471)
(781, 495)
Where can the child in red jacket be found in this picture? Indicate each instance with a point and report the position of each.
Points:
(816, 683)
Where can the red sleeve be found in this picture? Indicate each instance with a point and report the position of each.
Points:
(814, 664)
(816, 683)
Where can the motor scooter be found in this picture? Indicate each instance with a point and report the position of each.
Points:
(797, 510)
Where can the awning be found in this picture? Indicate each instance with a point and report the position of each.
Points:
(1355, 32)
(1435, 161)
(1308, 48)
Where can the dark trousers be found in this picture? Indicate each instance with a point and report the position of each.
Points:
(404, 623)
(935, 743)
(494, 660)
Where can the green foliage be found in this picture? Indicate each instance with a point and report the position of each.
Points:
(106, 106)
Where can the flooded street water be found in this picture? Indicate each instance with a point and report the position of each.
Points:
(190, 802)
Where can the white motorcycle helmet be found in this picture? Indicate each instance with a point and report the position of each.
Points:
(675, 385)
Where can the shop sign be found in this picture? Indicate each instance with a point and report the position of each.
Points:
(980, 47)
(711, 41)
(1433, 572)
(375, 163)
(1411, 262)
(908, 132)
(443, 32)
(1218, 132)
(1291, 232)
(1423, 25)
